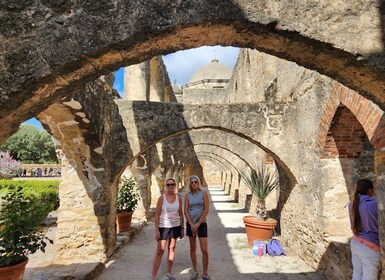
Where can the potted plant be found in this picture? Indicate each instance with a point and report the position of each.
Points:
(128, 198)
(262, 182)
(20, 218)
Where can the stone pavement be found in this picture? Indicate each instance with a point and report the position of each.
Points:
(230, 258)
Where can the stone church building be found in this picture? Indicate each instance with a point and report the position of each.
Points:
(306, 98)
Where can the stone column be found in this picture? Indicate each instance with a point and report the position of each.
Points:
(142, 175)
(81, 230)
(137, 81)
(379, 168)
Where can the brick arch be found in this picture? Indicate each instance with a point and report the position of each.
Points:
(96, 39)
(365, 114)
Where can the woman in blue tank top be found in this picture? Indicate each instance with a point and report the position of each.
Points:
(196, 209)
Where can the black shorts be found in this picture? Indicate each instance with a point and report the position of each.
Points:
(167, 233)
(202, 230)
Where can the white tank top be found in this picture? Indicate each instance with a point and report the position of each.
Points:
(169, 217)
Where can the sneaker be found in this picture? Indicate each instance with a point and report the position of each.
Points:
(206, 277)
(169, 276)
(194, 275)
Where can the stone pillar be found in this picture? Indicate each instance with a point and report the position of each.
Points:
(142, 175)
(137, 81)
(81, 233)
(379, 168)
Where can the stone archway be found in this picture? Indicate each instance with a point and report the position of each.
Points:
(95, 39)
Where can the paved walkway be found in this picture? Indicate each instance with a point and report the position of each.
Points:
(230, 258)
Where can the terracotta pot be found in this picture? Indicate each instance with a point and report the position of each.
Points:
(123, 221)
(15, 272)
(258, 229)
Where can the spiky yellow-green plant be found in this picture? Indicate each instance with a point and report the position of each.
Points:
(261, 182)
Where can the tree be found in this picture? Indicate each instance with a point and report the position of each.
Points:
(31, 145)
(8, 166)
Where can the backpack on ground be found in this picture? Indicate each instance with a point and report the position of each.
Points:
(274, 248)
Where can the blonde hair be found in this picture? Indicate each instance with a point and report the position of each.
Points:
(193, 178)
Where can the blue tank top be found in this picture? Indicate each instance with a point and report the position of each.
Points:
(196, 206)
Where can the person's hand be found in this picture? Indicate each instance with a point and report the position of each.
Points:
(157, 235)
(195, 227)
(182, 234)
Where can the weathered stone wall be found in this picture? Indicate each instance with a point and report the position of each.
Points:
(204, 95)
(148, 81)
(93, 139)
(341, 40)
(323, 195)
(337, 40)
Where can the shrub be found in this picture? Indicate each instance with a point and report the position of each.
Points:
(128, 195)
(20, 218)
(45, 192)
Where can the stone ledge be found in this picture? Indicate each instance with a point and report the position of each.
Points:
(124, 237)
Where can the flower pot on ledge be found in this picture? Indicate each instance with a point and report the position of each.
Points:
(257, 229)
(123, 221)
(15, 272)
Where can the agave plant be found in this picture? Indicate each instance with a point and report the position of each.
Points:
(261, 182)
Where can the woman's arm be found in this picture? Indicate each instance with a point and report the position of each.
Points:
(206, 203)
(181, 216)
(186, 213)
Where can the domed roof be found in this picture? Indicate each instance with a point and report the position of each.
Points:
(212, 71)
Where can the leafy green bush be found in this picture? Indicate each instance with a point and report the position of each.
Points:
(20, 218)
(128, 195)
(46, 192)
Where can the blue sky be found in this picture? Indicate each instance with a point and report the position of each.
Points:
(180, 66)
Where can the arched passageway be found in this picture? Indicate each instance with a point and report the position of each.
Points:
(96, 39)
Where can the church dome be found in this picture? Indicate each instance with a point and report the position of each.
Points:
(212, 71)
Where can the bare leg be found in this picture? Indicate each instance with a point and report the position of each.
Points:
(205, 253)
(171, 253)
(160, 248)
(193, 252)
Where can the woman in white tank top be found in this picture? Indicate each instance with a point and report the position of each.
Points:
(168, 227)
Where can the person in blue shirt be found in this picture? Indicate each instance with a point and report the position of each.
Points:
(365, 244)
(196, 209)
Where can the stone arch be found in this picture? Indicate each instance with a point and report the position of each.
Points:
(196, 117)
(202, 135)
(288, 31)
(369, 115)
(350, 131)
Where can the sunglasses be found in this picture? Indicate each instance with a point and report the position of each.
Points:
(194, 182)
(170, 185)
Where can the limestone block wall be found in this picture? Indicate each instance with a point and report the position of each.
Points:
(204, 95)
(92, 137)
(314, 217)
(149, 81)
